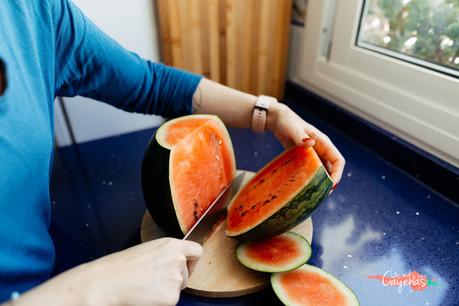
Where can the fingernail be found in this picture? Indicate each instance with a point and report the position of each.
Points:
(306, 139)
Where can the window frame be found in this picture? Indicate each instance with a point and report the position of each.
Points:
(415, 103)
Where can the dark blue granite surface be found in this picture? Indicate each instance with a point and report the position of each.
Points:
(379, 219)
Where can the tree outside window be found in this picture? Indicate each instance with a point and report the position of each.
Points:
(425, 29)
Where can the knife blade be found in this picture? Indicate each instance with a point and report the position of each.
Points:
(215, 212)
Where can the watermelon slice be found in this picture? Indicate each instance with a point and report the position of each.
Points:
(309, 285)
(280, 253)
(188, 162)
(282, 194)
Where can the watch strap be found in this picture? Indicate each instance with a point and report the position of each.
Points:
(260, 113)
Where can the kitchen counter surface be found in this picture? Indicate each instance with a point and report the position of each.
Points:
(379, 220)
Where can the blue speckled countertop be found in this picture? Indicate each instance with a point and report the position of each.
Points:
(378, 221)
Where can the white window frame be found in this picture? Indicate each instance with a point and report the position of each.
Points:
(415, 103)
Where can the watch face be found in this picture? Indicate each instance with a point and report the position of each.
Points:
(3, 82)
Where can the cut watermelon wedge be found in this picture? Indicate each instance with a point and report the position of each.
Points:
(281, 195)
(280, 253)
(187, 164)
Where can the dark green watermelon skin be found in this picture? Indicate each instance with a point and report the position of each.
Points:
(156, 188)
(295, 211)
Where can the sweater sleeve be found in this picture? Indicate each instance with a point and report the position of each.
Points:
(91, 64)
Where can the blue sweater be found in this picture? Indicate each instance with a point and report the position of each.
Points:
(51, 49)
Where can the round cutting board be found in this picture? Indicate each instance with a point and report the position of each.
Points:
(218, 273)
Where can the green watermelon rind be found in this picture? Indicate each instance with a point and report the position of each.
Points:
(305, 249)
(351, 297)
(156, 187)
(298, 209)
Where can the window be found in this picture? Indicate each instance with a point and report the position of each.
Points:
(397, 84)
(418, 31)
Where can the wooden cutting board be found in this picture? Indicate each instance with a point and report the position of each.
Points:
(218, 273)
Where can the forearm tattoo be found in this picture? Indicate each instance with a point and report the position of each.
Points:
(197, 101)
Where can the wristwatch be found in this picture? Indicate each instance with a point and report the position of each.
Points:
(260, 112)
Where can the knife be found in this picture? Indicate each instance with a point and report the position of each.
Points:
(215, 212)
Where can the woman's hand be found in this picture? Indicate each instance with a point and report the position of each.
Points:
(235, 109)
(152, 273)
(149, 274)
(291, 130)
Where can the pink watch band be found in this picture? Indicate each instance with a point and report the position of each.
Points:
(260, 113)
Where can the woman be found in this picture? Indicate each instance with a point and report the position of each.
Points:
(49, 48)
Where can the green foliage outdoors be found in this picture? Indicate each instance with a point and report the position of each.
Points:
(426, 29)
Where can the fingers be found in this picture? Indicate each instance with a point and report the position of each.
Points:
(337, 170)
(328, 165)
(191, 250)
(333, 160)
(299, 135)
(186, 252)
(308, 142)
(185, 273)
(285, 141)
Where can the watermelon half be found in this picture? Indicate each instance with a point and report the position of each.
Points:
(282, 194)
(309, 285)
(280, 253)
(188, 162)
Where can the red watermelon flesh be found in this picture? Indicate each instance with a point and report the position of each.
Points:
(277, 254)
(200, 168)
(309, 285)
(277, 250)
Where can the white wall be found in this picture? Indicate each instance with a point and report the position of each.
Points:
(133, 25)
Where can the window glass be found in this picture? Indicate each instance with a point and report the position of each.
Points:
(425, 32)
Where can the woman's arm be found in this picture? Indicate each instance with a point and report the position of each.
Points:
(235, 109)
(91, 64)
